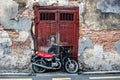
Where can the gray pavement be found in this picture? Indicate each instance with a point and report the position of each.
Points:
(61, 76)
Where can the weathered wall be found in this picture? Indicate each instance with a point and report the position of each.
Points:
(100, 35)
(16, 44)
(99, 43)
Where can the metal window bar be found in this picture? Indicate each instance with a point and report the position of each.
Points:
(66, 16)
(47, 16)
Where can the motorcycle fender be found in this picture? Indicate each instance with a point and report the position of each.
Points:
(34, 58)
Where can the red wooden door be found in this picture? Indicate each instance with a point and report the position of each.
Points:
(60, 22)
(68, 29)
(47, 26)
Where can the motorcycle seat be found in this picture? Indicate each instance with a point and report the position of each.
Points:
(44, 54)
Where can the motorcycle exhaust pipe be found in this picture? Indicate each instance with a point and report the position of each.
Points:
(42, 66)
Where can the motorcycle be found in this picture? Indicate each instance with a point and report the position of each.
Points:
(42, 61)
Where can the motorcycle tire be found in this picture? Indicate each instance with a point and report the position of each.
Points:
(38, 69)
(71, 66)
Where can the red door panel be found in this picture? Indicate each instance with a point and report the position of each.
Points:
(60, 22)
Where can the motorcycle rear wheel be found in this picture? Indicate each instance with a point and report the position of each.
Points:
(38, 69)
(71, 66)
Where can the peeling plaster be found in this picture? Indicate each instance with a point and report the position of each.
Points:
(97, 59)
(117, 46)
(23, 36)
(107, 6)
(84, 43)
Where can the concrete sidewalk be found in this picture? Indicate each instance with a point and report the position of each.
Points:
(100, 72)
(58, 73)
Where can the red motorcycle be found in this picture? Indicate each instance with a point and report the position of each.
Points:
(42, 61)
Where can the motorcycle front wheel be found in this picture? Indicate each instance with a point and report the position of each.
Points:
(39, 69)
(71, 66)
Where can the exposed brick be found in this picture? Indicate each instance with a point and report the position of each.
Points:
(12, 33)
(107, 38)
(18, 47)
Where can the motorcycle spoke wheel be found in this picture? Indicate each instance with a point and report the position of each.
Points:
(38, 69)
(71, 66)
